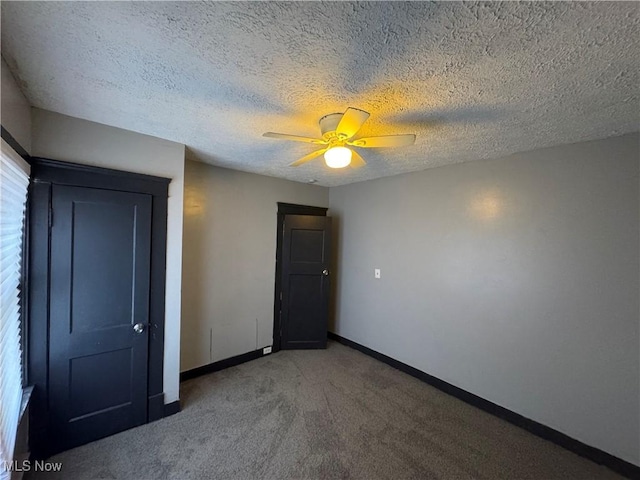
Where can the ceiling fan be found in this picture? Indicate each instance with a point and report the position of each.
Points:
(338, 130)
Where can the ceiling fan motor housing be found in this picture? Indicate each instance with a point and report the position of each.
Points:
(328, 125)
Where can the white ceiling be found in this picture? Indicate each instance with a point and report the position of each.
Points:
(472, 80)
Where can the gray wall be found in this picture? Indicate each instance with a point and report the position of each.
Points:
(515, 279)
(229, 259)
(15, 109)
(71, 139)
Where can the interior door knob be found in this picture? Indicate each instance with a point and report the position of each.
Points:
(325, 272)
(138, 327)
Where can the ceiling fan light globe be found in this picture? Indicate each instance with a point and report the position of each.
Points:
(337, 157)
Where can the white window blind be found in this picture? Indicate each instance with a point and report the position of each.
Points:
(14, 180)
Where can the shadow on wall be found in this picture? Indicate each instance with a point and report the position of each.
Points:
(194, 249)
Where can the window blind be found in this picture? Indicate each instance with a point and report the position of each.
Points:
(14, 181)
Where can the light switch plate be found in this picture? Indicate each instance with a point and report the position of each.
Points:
(376, 273)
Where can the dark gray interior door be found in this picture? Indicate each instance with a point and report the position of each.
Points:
(99, 313)
(305, 281)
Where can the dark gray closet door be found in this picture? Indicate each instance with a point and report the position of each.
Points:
(305, 281)
(99, 313)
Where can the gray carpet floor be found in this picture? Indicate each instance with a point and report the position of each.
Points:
(322, 414)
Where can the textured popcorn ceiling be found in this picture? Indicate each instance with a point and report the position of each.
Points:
(472, 80)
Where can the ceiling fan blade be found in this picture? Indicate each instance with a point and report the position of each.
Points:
(309, 157)
(351, 122)
(356, 160)
(295, 138)
(385, 141)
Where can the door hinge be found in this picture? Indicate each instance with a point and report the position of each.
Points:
(50, 216)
